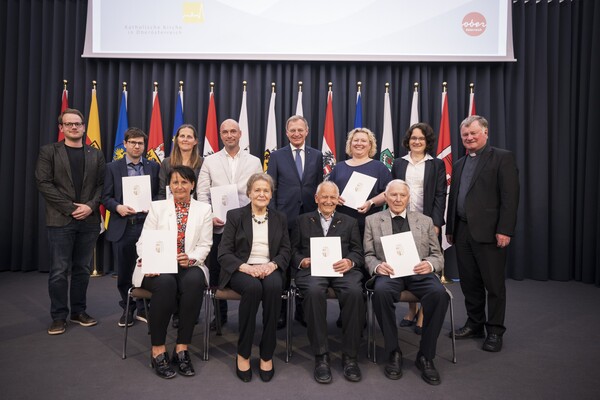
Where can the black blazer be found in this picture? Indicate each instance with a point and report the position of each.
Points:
(492, 199)
(236, 242)
(55, 183)
(434, 187)
(112, 194)
(309, 225)
(292, 194)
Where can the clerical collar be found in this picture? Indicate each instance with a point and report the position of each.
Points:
(478, 152)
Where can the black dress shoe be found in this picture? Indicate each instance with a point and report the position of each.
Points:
(418, 330)
(161, 365)
(350, 367)
(428, 371)
(393, 369)
(245, 376)
(466, 332)
(493, 343)
(322, 371)
(266, 376)
(183, 363)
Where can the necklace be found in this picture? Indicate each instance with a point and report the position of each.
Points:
(261, 221)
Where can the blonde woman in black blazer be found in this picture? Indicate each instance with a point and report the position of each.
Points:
(254, 252)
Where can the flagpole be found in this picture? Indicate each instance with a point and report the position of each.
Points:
(471, 88)
(65, 82)
(95, 272)
(443, 277)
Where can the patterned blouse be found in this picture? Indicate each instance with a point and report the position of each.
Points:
(181, 210)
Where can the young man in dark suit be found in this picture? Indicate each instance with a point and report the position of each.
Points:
(482, 213)
(125, 223)
(69, 175)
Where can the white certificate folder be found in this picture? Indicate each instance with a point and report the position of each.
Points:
(159, 252)
(223, 199)
(357, 189)
(401, 253)
(137, 192)
(324, 252)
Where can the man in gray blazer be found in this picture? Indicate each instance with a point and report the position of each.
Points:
(230, 166)
(70, 175)
(424, 284)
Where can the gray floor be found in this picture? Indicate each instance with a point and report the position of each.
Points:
(551, 352)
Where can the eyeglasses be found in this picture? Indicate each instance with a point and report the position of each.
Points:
(72, 124)
(135, 144)
(418, 139)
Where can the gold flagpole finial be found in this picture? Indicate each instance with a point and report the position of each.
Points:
(65, 82)
(94, 85)
(471, 87)
(299, 86)
(212, 87)
(416, 85)
(330, 84)
(156, 87)
(124, 86)
(358, 84)
(387, 87)
(181, 86)
(272, 87)
(444, 86)
(244, 84)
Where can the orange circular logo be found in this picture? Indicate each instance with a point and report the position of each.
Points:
(474, 24)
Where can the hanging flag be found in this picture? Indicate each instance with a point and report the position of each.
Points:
(271, 140)
(156, 139)
(178, 120)
(387, 140)
(93, 124)
(444, 152)
(414, 109)
(211, 136)
(328, 147)
(243, 123)
(358, 123)
(122, 126)
(64, 104)
(299, 110)
(472, 100)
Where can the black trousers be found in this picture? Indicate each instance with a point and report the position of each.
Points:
(169, 291)
(481, 268)
(348, 289)
(433, 298)
(125, 256)
(253, 292)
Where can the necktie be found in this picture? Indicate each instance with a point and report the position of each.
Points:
(299, 162)
(137, 168)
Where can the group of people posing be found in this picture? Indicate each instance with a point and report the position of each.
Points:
(265, 243)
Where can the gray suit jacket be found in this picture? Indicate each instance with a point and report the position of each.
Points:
(215, 171)
(421, 226)
(54, 181)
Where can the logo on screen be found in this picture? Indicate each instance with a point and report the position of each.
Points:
(193, 12)
(474, 24)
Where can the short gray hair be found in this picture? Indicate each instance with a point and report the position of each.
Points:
(328, 183)
(393, 181)
(474, 118)
(261, 176)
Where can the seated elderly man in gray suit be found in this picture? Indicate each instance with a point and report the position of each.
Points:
(424, 283)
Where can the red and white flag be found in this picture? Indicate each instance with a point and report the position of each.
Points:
(211, 135)
(156, 140)
(444, 152)
(328, 147)
(63, 106)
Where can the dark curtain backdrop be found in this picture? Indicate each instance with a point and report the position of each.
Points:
(540, 107)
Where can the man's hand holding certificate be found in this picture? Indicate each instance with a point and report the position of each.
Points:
(137, 192)
(324, 253)
(401, 253)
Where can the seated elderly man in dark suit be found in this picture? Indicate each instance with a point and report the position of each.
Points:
(325, 222)
(424, 283)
